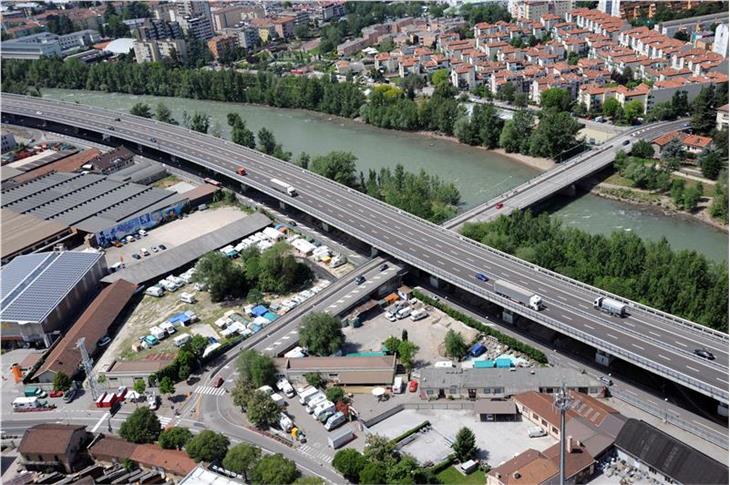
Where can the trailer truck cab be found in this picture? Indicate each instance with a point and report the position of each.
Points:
(283, 187)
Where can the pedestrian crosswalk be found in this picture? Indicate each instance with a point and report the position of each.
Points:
(164, 420)
(317, 451)
(210, 390)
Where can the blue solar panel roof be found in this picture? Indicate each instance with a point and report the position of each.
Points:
(33, 285)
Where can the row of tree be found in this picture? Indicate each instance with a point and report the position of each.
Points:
(702, 109)
(683, 283)
(273, 270)
(143, 426)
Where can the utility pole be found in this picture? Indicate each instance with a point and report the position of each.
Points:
(562, 402)
(88, 366)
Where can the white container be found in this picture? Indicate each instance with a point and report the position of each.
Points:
(181, 340)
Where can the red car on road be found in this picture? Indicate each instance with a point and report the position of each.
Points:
(499, 205)
(412, 386)
(56, 394)
(218, 382)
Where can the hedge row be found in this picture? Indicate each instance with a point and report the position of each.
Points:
(411, 431)
(513, 343)
(443, 465)
(173, 371)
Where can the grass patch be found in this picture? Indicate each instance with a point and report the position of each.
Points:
(166, 182)
(617, 179)
(452, 475)
(635, 195)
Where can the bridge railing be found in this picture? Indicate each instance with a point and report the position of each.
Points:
(552, 323)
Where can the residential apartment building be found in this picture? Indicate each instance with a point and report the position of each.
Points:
(156, 50)
(226, 17)
(198, 27)
(247, 36)
(722, 40)
(284, 26)
(222, 43)
(47, 44)
(722, 118)
(534, 10)
(155, 29)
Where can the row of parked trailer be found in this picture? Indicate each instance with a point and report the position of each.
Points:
(315, 402)
(173, 283)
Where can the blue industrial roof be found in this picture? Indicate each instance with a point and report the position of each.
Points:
(34, 284)
(259, 310)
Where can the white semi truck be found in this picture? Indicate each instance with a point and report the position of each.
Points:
(610, 306)
(518, 294)
(283, 187)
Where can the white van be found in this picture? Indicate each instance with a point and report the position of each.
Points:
(266, 389)
(117, 267)
(334, 421)
(284, 386)
(154, 291)
(306, 393)
(168, 327)
(404, 312)
(181, 340)
(285, 423)
(22, 403)
(398, 385)
(323, 407)
(187, 298)
(444, 364)
(315, 401)
(419, 314)
(536, 432)
(158, 333)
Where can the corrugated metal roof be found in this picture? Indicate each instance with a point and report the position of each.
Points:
(33, 285)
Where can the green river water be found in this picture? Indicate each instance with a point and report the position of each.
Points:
(478, 174)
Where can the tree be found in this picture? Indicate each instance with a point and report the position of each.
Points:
(141, 109)
(719, 207)
(142, 426)
(673, 151)
(309, 480)
(379, 449)
(391, 344)
(335, 394)
(703, 111)
(632, 110)
(711, 163)
(61, 382)
(267, 141)
(163, 114)
(404, 335)
(692, 196)
(255, 369)
(240, 134)
(59, 24)
(440, 76)
(464, 445)
(274, 469)
(208, 446)
(373, 473)
(321, 333)
(515, 136)
(349, 462)
(242, 459)
(454, 344)
(555, 134)
(406, 354)
(200, 122)
(642, 149)
(338, 166)
(556, 99)
(506, 92)
(222, 276)
(217, 130)
(139, 386)
(610, 107)
(314, 379)
(175, 438)
(167, 386)
(262, 411)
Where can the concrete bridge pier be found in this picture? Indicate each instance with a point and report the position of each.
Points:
(509, 316)
(282, 205)
(325, 227)
(433, 281)
(570, 191)
(722, 409)
(603, 358)
(373, 252)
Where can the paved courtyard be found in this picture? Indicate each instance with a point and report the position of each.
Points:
(497, 441)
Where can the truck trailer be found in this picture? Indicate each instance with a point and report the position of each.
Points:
(283, 187)
(610, 306)
(518, 294)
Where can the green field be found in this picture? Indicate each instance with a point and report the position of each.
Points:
(452, 475)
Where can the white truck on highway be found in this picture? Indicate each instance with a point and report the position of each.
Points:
(518, 294)
(610, 306)
(283, 187)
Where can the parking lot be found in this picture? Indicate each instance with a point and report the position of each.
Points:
(427, 333)
(497, 441)
(175, 233)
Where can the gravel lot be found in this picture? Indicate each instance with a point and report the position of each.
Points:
(428, 334)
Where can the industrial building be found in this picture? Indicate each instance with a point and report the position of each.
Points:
(42, 293)
(375, 370)
(500, 383)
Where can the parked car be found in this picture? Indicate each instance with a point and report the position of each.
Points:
(70, 395)
(360, 280)
(55, 393)
(136, 256)
(162, 247)
(413, 386)
(606, 380)
(104, 341)
(383, 266)
(218, 382)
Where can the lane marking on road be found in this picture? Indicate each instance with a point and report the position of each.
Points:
(589, 326)
(285, 337)
(692, 368)
(567, 317)
(561, 297)
(629, 324)
(612, 336)
(664, 357)
(98, 423)
(654, 333)
(637, 346)
(680, 343)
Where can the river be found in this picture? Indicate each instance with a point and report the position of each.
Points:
(478, 174)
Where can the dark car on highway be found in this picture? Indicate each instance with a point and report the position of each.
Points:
(705, 354)
(481, 277)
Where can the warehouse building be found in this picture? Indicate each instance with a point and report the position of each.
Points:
(43, 292)
(354, 371)
(23, 234)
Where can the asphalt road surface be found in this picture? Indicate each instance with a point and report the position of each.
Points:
(651, 340)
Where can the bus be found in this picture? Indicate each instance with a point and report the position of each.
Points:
(212, 182)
